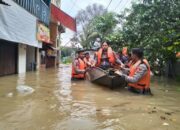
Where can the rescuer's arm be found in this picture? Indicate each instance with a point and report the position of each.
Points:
(141, 71)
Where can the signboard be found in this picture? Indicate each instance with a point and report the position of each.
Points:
(18, 25)
(63, 18)
(37, 8)
(43, 33)
(51, 52)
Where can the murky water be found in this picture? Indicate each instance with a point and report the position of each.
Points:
(59, 104)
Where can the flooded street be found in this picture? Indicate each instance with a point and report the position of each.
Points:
(59, 104)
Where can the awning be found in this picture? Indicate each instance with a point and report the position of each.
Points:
(63, 18)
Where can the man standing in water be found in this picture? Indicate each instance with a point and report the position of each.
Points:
(78, 66)
(88, 61)
(139, 73)
(105, 57)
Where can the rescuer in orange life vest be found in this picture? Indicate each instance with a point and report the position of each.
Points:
(88, 60)
(139, 73)
(105, 57)
(78, 66)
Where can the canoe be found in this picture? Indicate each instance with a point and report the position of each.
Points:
(105, 77)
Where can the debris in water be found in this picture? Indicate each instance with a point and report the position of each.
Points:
(163, 118)
(153, 111)
(9, 95)
(98, 109)
(165, 124)
(23, 89)
(108, 98)
(53, 106)
(168, 113)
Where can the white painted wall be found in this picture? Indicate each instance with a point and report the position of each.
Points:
(18, 25)
(21, 58)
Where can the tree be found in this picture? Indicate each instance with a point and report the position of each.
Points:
(86, 35)
(104, 24)
(154, 26)
(85, 16)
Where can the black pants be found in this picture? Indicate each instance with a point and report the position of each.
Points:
(76, 79)
(139, 91)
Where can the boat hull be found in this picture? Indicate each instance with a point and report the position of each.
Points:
(102, 77)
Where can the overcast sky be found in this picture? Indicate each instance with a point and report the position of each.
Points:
(71, 7)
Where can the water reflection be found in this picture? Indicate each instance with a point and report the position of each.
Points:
(74, 103)
(59, 104)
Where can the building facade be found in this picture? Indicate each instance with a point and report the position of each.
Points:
(50, 53)
(19, 46)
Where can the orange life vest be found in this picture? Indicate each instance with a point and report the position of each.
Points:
(129, 63)
(81, 66)
(88, 60)
(144, 82)
(110, 56)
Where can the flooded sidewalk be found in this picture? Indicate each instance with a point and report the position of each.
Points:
(57, 103)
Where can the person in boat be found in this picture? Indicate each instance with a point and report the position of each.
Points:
(78, 66)
(123, 58)
(139, 73)
(88, 61)
(105, 57)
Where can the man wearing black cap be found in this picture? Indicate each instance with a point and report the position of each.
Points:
(139, 73)
(78, 66)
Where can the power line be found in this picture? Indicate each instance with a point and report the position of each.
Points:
(75, 5)
(128, 1)
(109, 4)
(118, 4)
(124, 5)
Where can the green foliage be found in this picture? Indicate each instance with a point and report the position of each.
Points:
(67, 60)
(66, 51)
(104, 24)
(153, 25)
(88, 34)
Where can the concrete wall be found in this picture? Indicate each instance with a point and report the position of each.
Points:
(30, 57)
(21, 58)
(38, 57)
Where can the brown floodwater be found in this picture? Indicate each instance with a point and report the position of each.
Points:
(59, 104)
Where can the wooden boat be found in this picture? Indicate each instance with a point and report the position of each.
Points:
(105, 77)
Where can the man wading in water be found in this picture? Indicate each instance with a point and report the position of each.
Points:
(139, 73)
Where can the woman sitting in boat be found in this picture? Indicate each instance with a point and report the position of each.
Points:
(78, 66)
(139, 73)
(105, 57)
(88, 60)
